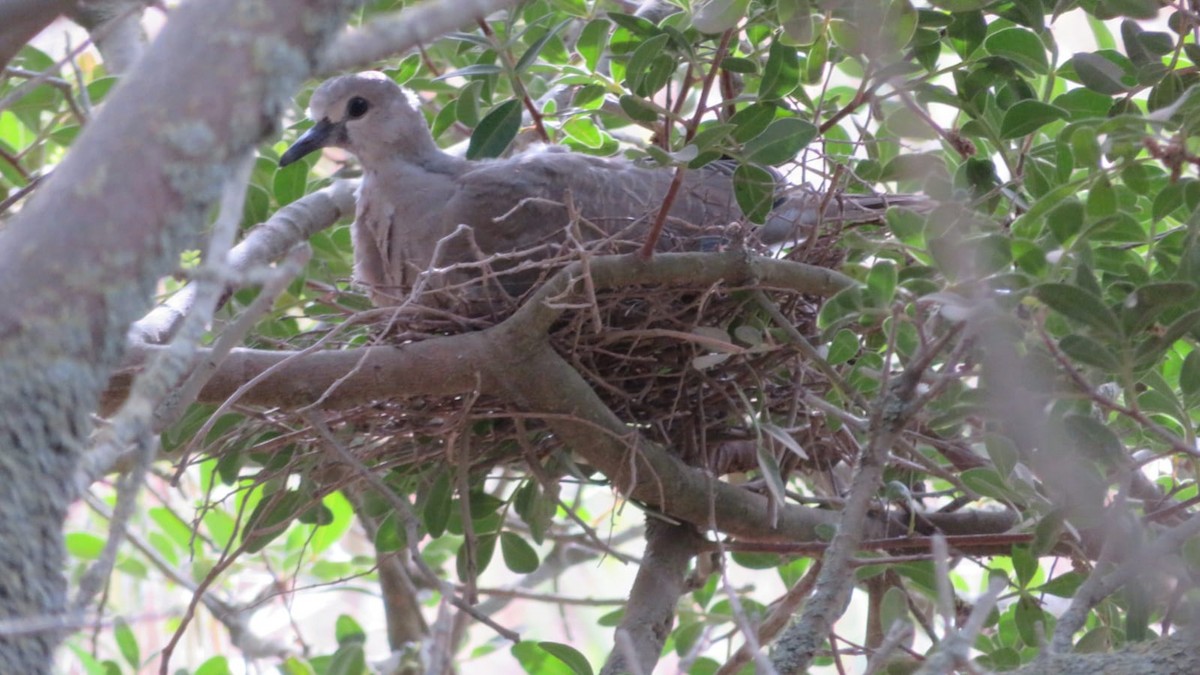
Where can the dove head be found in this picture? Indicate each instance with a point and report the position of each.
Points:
(366, 114)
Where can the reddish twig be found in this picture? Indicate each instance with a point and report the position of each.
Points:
(660, 221)
(535, 115)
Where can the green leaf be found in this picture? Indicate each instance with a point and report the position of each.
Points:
(390, 535)
(519, 556)
(1066, 219)
(1025, 117)
(1029, 620)
(1138, 604)
(881, 282)
(817, 59)
(1094, 439)
(1083, 103)
(348, 660)
(1189, 373)
(576, 661)
(217, 665)
(1047, 533)
(711, 134)
(495, 131)
(738, 64)
(960, 6)
(1091, 352)
(271, 518)
(348, 631)
(98, 89)
(894, 607)
(584, 130)
(1003, 453)
(639, 63)
(127, 643)
(1101, 199)
(1085, 148)
(1021, 46)
(637, 109)
(754, 189)
(445, 118)
(1098, 73)
(535, 49)
(752, 120)
(717, 16)
(768, 469)
(967, 31)
(1078, 304)
(485, 548)
(781, 73)
(592, 40)
(1167, 201)
(1063, 586)
(84, 545)
(466, 106)
(437, 505)
(1148, 301)
(473, 70)
(842, 348)
(634, 24)
(780, 141)
(1138, 9)
(987, 482)
(406, 69)
(1024, 564)
(290, 181)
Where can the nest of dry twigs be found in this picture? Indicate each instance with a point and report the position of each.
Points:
(703, 370)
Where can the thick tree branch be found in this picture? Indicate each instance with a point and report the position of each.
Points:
(116, 29)
(266, 243)
(660, 581)
(79, 262)
(404, 30)
(20, 20)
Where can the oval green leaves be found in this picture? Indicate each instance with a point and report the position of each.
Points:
(1078, 304)
(754, 189)
(1099, 74)
(780, 141)
(718, 16)
(1021, 46)
(495, 131)
(1027, 116)
(519, 556)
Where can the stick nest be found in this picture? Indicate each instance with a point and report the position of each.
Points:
(703, 371)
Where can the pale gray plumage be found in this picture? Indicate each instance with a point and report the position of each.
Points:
(414, 195)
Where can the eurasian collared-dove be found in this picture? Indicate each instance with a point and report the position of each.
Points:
(414, 195)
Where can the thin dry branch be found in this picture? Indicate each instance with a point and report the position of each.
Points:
(404, 30)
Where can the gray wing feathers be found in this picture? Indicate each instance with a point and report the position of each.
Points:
(520, 203)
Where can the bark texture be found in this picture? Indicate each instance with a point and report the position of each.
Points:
(79, 263)
(660, 581)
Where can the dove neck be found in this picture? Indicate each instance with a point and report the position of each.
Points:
(421, 155)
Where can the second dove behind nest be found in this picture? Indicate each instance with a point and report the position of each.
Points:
(413, 195)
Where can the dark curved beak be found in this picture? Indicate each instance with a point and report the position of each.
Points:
(317, 137)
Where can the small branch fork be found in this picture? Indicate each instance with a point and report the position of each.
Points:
(891, 414)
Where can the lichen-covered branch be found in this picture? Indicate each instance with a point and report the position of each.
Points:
(79, 262)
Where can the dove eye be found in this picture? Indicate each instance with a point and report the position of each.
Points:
(357, 107)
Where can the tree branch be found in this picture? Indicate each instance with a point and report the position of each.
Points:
(403, 30)
(660, 581)
(79, 262)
